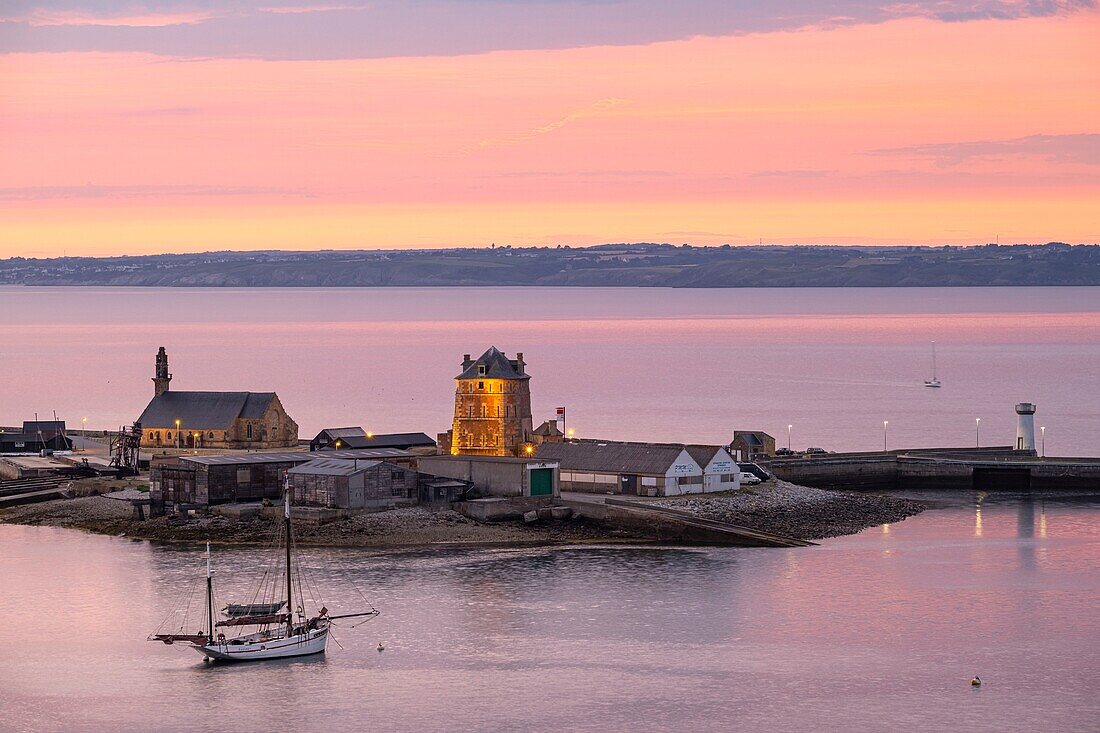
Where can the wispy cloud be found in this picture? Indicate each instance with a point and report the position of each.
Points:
(1082, 148)
(595, 110)
(302, 9)
(93, 191)
(44, 17)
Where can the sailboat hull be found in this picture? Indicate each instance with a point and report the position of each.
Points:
(299, 645)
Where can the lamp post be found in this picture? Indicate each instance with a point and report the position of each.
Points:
(84, 433)
(789, 437)
(337, 445)
(570, 433)
(177, 433)
(885, 428)
(977, 432)
(1043, 432)
(195, 441)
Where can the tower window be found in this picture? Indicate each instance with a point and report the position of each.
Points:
(481, 370)
(250, 431)
(481, 386)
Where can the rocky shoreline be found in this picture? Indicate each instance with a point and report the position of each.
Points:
(791, 510)
(775, 506)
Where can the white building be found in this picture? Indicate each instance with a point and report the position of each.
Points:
(642, 469)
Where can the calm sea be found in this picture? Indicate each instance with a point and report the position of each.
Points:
(880, 631)
(646, 364)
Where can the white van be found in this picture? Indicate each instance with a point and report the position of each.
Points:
(748, 479)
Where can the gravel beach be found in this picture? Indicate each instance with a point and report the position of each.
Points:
(412, 527)
(784, 508)
(775, 506)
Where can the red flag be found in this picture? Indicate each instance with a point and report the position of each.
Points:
(561, 410)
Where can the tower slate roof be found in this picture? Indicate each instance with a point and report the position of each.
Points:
(497, 366)
(205, 410)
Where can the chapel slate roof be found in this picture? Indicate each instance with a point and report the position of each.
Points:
(497, 366)
(611, 457)
(204, 410)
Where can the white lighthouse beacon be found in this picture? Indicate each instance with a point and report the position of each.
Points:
(1025, 426)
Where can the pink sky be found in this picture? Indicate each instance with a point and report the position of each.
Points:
(906, 130)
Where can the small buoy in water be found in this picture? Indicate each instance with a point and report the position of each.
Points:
(380, 647)
(977, 681)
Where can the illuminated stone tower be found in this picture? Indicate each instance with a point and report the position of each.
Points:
(162, 378)
(492, 406)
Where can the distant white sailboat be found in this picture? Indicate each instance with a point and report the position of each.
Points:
(289, 633)
(933, 382)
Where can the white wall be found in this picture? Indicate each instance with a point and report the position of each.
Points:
(683, 467)
(722, 464)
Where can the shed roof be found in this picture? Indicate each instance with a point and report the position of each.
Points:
(334, 433)
(389, 440)
(549, 429)
(497, 366)
(647, 458)
(751, 437)
(204, 410)
(248, 458)
(704, 454)
(329, 467)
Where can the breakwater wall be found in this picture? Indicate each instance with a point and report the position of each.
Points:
(992, 469)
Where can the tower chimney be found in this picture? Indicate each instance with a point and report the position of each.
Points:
(163, 377)
(1025, 426)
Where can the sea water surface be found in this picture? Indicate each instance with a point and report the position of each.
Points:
(881, 631)
(628, 363)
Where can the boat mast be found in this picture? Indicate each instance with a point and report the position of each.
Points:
(209, 595)
(286, 521)
(933, 361)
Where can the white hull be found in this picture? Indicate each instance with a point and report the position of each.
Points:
(298, 645)
(932, 383)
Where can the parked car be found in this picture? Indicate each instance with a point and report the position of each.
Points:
(815, 450)
(748, 479)
(784, 452)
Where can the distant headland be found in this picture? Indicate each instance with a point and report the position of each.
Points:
(607, 265)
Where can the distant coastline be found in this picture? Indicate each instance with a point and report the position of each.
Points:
(609, 265)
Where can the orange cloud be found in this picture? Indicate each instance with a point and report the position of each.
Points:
(836, 135)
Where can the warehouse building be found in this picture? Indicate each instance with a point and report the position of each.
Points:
(354, 484)
(227, 479)
(641, 469)
(497, 476)
(357, 438)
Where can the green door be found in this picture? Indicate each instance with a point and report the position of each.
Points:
(542, 482)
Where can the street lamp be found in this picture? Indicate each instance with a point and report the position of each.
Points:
(84, 433)
(195, 441)
(977, 432)
(570, 433)
(1043, 431)
(885, 427)
(789, 437)
(337, 445)
(177, 433)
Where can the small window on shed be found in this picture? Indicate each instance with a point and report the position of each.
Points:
(397, 476)
(210, 435)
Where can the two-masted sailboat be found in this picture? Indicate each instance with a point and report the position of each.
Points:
(934, 381)
(282, 629)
